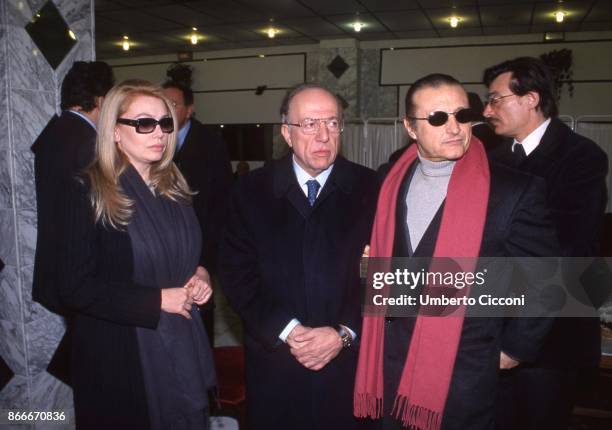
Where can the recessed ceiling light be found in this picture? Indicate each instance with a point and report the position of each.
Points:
(72, 35)
(454, 21)
(194, 39)
(194, 28)
(357, 26)
(125, 45)
(272, 32)
(560, 16)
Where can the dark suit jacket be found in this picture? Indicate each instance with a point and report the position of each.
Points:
(63, 149)
(204, 161)
(518, 224)
(282, 259)
(575, 170)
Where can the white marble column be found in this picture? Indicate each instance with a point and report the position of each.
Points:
(29, 97)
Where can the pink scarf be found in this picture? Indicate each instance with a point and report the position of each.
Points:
(427, 373)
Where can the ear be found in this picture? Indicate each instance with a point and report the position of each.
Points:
(98, 101)
(286, 134)
(533, 99)
(409, 129)
(189, 111)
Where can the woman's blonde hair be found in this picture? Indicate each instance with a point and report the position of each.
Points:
(111, 206)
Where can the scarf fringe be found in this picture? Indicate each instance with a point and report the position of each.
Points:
(367, 405)
(415, 417)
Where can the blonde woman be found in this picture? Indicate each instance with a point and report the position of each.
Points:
(130, 272)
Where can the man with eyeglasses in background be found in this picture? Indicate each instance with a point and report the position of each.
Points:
(289, 266)
(522, 107)
(442, 198)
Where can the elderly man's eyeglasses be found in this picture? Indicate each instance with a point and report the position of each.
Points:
(496, 100)
(439, 118)
(147, 125)
(313, 125)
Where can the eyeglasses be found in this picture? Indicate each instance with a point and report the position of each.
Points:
(313, 125)
(439, 118)
(147, 125)
(496, 100)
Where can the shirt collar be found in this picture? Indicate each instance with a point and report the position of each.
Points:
(531, 142)
(303, 177)
(85, 117)
(182, 134)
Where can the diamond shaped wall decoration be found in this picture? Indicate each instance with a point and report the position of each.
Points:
(51, 34)
(338, 66)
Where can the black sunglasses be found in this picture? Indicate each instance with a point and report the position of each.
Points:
(439, 118)
(147, 125)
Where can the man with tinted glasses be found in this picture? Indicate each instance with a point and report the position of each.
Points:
(442, 198)
(290, 269)
(203, 159)
(522, 107)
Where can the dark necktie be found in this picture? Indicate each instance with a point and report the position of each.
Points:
(313, 188)
(518, 154)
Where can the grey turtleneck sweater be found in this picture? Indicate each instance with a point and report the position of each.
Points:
(426, 193)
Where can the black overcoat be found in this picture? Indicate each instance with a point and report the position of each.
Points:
(204, 162)
(62, 150)
(575, 170)
(282, 259)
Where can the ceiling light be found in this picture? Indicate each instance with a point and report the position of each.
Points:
(194, 28)
(560, 16)
(125, 45)
(272, 32)
(357, 26)
(454, 21)
(194, 39)
(72, 35)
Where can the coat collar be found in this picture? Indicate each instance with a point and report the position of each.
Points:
(555, 134)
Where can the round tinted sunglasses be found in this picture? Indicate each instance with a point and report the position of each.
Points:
(439, 118)
(147, 125)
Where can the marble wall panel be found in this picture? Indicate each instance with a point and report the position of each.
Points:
(312, 67)
(29, 68)
(26, 233)
(33, 311)
(9, 295)
(12, 346)
(49, 393)
(25, 189)
(77, 15)
(347, 84)
(7, 233)
(376, 101)
(15, 395)
(43, 336)
(6, 194)
(20, 12)
(31, 111)
(4, 118)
